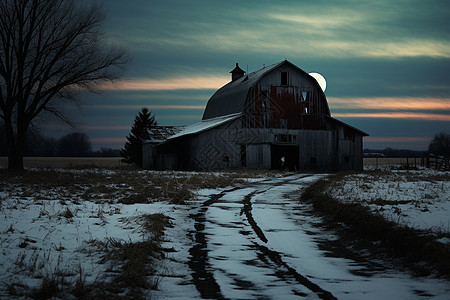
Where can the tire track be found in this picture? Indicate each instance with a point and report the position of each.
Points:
(204, 280)
(199, 262)
(247, 210)
(266, 255)
(285, 270)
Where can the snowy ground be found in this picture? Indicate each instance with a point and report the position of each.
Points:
(414, 198)
(251, 240)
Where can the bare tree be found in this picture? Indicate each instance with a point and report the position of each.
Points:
(74, 144)
(49, 50)
(440, 145)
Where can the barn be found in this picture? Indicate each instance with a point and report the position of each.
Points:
(274, 118)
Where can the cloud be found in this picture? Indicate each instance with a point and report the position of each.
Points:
(393, 115)
(391, 103)
(196, 82)
(396, 49)
(151, 107)
(297, 30)
(315, 20)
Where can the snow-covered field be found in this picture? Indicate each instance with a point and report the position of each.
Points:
(415, 198)
(251, 239)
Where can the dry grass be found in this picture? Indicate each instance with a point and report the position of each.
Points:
(135, 263)
(115, 186)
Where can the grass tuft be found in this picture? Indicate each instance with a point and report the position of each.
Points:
(49, 288)
(135, 262)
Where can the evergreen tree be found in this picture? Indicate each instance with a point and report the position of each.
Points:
(132, 151)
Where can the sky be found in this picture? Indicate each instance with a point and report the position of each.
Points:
(386, 63)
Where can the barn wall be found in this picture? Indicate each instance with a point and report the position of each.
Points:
(350, 149)
(215, 148)
(230, 146)
(317, 150)
(147, 156)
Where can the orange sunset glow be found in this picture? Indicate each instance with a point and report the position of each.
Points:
(406, 115)
(197, 82)
(137, 107)
(392, 103)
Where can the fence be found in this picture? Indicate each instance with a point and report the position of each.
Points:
(435, 162)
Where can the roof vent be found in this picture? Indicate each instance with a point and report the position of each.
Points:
(237, 73)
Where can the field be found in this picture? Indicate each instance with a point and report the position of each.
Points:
(68, 162)
(114, 162)
(386, 161)
(95, 228)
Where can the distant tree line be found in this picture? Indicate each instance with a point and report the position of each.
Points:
(75, 144)
(439, 146)
(394, 153)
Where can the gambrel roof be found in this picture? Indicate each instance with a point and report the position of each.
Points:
(230, 98)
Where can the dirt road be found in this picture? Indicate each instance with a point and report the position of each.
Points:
(258, 242)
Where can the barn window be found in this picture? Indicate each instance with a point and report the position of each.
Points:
(313, 160)
(304, 96)
(284, 78)
(305, 100)
(283, 138)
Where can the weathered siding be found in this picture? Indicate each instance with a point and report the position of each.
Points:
(232, 146)
(317, 150)
(147, 156)
(214, 148)
(258, 156)
(298, 103)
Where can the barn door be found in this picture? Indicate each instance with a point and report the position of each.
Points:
(284, 157)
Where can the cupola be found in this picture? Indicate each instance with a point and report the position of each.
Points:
(237, 73)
